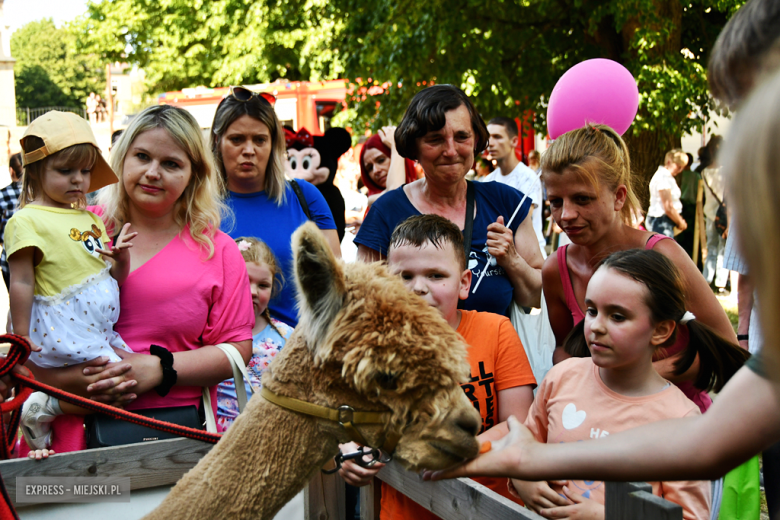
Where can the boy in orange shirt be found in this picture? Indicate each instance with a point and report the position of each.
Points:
(427, 252)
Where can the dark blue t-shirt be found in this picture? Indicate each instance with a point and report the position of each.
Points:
(492, 200)
(257, 216)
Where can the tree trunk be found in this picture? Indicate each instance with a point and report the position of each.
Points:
(647, 150)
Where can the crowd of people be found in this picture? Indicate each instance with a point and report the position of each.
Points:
(126, 301)
(96, 108)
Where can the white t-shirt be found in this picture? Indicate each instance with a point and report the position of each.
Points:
(526, 181)
(663, 180)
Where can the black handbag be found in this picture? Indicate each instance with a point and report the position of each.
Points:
(104, 431)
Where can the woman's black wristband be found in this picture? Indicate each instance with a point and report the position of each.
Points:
(169, 374)
(742, 337)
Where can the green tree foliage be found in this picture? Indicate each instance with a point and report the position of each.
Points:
(48, 69)
(508, 56)
(186, 43)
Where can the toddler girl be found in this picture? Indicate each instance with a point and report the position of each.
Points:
(635, 303)
(268, 336)
(64, 295)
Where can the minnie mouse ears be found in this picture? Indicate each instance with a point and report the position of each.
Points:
(336, 140)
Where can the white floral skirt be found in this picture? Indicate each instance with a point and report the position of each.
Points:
(77, 325)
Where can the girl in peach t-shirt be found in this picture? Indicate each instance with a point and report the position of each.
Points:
(635, 301)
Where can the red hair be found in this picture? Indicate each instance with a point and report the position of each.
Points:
(376, 142)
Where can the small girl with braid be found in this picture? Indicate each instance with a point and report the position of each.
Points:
(268, 336)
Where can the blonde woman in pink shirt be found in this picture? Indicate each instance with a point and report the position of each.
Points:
(635, 303)
(187, 290)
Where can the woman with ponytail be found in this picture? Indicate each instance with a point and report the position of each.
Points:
(587, 173)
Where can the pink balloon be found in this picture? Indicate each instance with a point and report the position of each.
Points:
(594, 91)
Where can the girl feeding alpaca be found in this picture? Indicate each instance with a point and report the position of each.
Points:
(635, 302)
(268, 335)
(64, 295)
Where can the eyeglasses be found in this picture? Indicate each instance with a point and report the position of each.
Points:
(244, 94)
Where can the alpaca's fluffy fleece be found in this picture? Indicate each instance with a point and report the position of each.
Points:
(364, 341)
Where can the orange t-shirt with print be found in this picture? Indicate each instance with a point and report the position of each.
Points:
(498, 362)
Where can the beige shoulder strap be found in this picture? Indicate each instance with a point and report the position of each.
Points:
(239, 375)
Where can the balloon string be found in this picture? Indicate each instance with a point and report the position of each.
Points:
(489, 256)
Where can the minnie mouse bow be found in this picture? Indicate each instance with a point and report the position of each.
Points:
(302, 139)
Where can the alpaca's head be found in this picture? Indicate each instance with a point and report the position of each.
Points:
(387, 349)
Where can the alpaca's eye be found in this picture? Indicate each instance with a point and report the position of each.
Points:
(388, 381)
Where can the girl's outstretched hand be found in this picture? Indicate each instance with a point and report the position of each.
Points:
(503, 459)
(120, 254)
(119, 249)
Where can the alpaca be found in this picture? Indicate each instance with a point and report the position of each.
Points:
(364, 341)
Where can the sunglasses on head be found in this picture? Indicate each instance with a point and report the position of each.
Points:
(244, 94)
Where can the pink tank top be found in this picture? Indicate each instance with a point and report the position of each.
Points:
(700, 397)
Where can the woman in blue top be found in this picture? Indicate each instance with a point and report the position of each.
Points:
(443, 131)
(249, 149)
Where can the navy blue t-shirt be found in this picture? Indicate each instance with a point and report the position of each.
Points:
(492, 200)
(257, 216)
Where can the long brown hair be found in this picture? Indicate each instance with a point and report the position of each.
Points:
(719, 358)
(747, 48)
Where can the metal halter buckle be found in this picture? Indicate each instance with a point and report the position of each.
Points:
(346, 414)
(357, 456)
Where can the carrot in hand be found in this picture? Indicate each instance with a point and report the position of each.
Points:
(484, 447)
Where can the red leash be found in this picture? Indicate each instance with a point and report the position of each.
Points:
(18, 354)
(26, 385)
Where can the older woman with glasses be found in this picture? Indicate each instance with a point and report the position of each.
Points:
(249, 149)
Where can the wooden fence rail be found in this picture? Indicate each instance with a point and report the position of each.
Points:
(463, 499)
(456, 499)
(636, 500)
(150, 464)
(162, 463)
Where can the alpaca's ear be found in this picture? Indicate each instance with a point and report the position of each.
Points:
(320, 282)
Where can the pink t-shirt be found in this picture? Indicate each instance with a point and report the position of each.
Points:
(573, 404)
(181, 301)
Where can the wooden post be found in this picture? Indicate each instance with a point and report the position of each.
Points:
(110, 95)
(698, 228)
(323, 498)
(370, 500)
(636, 500)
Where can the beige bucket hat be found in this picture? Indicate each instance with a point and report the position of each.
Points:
(60, 130)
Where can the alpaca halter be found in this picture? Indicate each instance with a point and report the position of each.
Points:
(345, 415)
